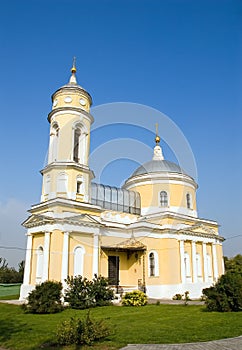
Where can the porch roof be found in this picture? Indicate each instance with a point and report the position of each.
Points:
(130, 244)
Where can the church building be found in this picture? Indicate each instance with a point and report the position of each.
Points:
(146, 235)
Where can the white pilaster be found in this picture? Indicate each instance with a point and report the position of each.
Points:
(194, 262)
(65, 253)
(215, 262)
(28, 260)
(45, 275)
(205, 263)
(182, 262)
(95, 254)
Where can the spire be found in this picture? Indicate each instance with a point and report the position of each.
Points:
(73, 72)
(157, 149)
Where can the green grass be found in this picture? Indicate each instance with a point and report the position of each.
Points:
(148, 324)
(7, 291)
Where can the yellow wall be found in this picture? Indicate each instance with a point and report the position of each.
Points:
(176, 194)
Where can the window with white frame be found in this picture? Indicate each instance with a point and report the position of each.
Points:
(77, 141)
(62, 182)
(188, 200)
(78, 260)
(153, 264)
(209, 266)
(163, 199)
(187, 264)
(39, 264)
(54, 133)
(198, 265)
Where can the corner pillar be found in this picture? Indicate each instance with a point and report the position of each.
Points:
(65, 255)
(45, 275)
(28, 260)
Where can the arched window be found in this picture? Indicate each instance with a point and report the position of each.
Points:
(76, 149)
(62, 182)
(39, 264)
(198, 265)
(163, 199)
(47, 185)
(78, 260)
(209, 265)
(153, 264)
(80, 185)
(54, 133)
(188, 198)
(187, 264)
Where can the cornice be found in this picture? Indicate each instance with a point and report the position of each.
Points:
(152, 178)
(69, 109)
(68, 164)
(65, 202)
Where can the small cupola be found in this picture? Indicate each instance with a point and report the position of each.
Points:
(72, 95)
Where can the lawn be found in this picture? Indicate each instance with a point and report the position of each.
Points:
(148, 324)
(9, 291)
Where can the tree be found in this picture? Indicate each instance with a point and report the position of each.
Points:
(233, 264)
(226, 294)
(9, 274)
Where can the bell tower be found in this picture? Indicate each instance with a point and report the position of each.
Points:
(67, 174)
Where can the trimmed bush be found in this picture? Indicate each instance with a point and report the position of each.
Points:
(45, 299)
(103, 294)
(226, 294)
(82, 293)
(177, 296)
(135, 298)
(80, 332)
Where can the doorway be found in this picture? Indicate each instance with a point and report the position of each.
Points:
(113, 270)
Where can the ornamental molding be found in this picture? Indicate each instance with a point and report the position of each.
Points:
(71, 110)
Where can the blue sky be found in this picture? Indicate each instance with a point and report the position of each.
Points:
(180, 57)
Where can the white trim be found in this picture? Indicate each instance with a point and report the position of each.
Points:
(39, 264)
(182, 265)
(205, 265)
(194, 262)
(27, 267)
(78, 270)
(215, 262)
(45, 275)
(65, 250)
(95, 269)
(154, 178)
(167, 291)
(169, 209)
(156, 261)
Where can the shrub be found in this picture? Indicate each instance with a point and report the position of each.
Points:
(82, 293)
(135, 298)
(80, 332)
(79, 293)
(226, 294)
(103, 294)
(45, 298)
(186, 298)
(177, 297)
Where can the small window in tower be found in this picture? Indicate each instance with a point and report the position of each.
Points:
(188, 197)
(79, 187)
(163, 199)
(76, 151)
(152, 264)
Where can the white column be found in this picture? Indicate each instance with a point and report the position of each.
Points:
(95, 254)
(194, 262)
(28, 260)
(205, 263)
(45, 275)
(215, 262)
(182, 262)
(65, 255)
